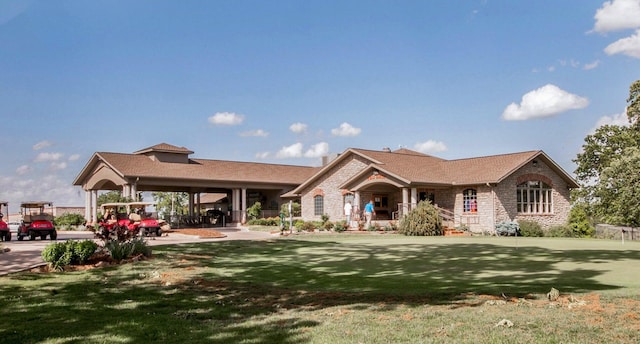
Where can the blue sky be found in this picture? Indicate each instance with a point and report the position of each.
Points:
(290, 81)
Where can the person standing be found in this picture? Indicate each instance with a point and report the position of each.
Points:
(369, 211)
(347, 212)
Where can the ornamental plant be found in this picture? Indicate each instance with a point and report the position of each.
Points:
(424, 220)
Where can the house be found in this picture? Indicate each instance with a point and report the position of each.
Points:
(475, 192)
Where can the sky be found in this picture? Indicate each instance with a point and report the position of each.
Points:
(290, 81)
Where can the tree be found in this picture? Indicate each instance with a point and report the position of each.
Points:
(168, 201)
(113, 197)
(618, 193)
(633, 105)
(423, 220)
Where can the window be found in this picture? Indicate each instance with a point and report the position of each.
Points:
(470, 201)
(534, 197)
(348, 198)
(318, 205)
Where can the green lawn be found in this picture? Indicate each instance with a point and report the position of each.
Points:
(339, 289)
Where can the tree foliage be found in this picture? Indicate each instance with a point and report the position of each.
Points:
(167, 201)
(113, 197)
(604, 170)
(618, 193)
(424, 220)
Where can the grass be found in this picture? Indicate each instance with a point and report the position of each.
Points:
(339, 289)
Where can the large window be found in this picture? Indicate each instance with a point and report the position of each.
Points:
(318, 205)
(534, 197)
(470, 201)
(349, 198)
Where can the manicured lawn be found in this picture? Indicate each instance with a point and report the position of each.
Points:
(339, 289)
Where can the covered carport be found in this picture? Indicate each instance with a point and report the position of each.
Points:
(168, 168)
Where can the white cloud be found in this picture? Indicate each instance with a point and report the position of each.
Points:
(298, 128)
(293, 151)
(617, 15)
(546, 101)
(24, 169)
(629, 46)
(430, 146)
(615, 119)
(255, 133)
(592, 65)
(346, 129)
(49, 188)
(263, 155)
(226, 118)
(42, 144)
(58, 165)
(318, 150)
(74, 157)
(44, 157)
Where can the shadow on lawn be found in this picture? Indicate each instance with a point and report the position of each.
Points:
(229, 292)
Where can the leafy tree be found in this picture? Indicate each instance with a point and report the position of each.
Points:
(69, 219)
(579, 221)
(255, 211)
(113, 197)
(619, 190)
(633, 105)
(424, 220)
(166, 201)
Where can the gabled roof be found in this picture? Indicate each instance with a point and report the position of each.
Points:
(418, 168)
(165, 148)
(138, 165)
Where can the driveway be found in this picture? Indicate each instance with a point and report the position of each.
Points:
(24, 255)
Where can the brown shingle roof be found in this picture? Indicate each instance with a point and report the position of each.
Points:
(166, 148)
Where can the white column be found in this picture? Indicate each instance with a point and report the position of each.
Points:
(134, 191)
(356, 204)
(87, 206)
(235, 199)
(414, 197)
(405, 201)
(94, 206)
(198, 204)
(244, 205)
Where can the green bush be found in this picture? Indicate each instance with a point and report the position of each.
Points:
(325, 218)
(424, 220)
(530, 229)
(269, 221)
(562, 231)
(299, 225)
(295, 209)
(254, 211)
(71, 252)
(579, 222)
(328, 225)
(119, 250)
(340, 226)
(69, 219)
(508, 228)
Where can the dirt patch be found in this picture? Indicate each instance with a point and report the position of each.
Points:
(199, 232)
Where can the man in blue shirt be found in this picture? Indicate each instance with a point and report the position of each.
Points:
(369, 211)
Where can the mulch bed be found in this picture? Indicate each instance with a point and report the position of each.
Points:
(199, 232)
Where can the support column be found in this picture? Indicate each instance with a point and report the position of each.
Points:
(414, 197)
(405, 201)
(87, 206)
(190, 204)
(94, 206)
(244, 205)
(198, 204)
(235, 200)
(356, 205)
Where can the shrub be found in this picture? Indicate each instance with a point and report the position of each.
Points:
(119, 250)
(67, 253)
(579, 222)
(325, 218)
(254, 211)
(295, 209)
(299, 225)
(390, 227)
(507, 228)
(423, 220)
(340, 226)
(328, 225)
(564, 231)
(530, 229)
(269, 221)
(68, 219)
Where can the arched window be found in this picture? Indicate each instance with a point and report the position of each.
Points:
(318, 205)
(534, 197)
(470, 201)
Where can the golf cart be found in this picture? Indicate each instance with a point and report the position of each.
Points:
(35, 222)
(113, 215)
(141, 220)
(5, 233)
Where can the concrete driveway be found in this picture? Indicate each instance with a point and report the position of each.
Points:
(24, 255)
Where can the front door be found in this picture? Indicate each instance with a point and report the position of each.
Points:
(381, 204)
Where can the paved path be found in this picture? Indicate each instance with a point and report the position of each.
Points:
(26, 254)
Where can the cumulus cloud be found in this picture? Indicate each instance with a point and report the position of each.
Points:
(74, 157)
(255, 133)
(226, 118)
(592, 65)
(346, 129)
(22, 170)
(629, 46)
(293, 151)
(58, 165)
(298, 128)
(42, 144)
(430, 146)
(617, 15)
(615, 119)
(545, 101)
(46, 157)
(317, 150)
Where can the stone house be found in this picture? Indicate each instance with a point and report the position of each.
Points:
(475, 192)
